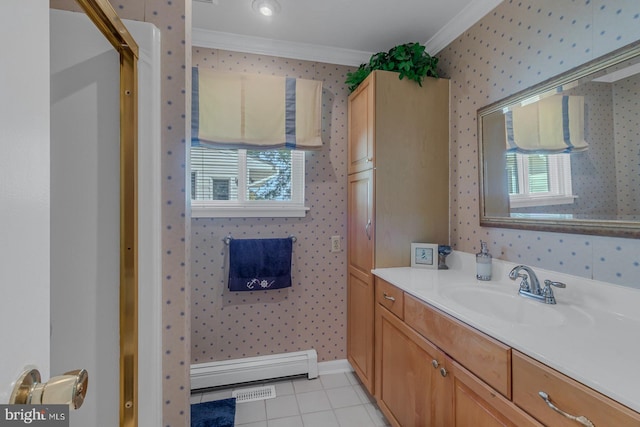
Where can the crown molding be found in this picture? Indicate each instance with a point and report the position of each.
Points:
(283, 49)
(459, 24)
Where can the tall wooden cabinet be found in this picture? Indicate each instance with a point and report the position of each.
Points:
(398, 190)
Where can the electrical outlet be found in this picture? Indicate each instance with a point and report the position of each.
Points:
(335, 244)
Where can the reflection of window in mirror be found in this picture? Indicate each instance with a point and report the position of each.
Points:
(539, 179)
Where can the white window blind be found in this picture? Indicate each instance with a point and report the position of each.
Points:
(247, 183)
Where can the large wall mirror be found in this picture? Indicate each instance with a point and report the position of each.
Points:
(565, 155)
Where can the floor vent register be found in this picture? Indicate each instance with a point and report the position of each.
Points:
(252, 394)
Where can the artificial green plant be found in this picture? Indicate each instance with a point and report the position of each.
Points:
(409, 59)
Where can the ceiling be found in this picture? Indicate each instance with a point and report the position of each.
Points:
(350, 30)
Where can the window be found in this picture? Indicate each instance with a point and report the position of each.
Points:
(247, 183)
(539, 179)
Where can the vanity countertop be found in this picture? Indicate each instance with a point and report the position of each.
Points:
(592, 334)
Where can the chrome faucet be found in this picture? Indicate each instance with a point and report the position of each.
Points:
(533, 287)
(530, 285)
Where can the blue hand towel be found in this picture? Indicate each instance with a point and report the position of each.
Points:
(259, 264)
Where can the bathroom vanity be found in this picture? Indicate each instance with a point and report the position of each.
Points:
(451, 350)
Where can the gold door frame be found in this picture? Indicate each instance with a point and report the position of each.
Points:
(106, 19)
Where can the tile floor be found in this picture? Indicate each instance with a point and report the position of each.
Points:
(331, 400)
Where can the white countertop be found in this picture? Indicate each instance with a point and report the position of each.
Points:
(592, 334)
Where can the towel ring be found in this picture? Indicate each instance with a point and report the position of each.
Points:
(228, 239)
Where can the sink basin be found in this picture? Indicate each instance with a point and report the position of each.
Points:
(513, 308)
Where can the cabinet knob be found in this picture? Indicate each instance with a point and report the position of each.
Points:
(435, 363)
(579, 419)
(443, 372)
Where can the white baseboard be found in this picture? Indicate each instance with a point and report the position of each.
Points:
(334, 367)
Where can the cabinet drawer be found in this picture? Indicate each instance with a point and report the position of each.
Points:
(390, 297)
(531, 377)
(487, 358)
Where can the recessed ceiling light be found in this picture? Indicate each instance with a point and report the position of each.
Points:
(266, 7)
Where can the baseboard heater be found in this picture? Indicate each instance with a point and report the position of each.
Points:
(236, 371)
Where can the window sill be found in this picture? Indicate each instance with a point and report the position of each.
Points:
(526, 202)
(202, 210)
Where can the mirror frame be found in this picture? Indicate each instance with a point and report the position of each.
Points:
(613, 228)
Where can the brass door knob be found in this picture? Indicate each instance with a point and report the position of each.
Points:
(69, 388)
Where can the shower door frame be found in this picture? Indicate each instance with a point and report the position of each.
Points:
(107, 21)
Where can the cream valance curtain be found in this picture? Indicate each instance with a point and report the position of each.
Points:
(551, 125)
(234, 110)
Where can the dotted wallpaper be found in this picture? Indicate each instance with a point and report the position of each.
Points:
(627, 125)
(517, 45)
(311, 313)
(173, 19)
(594, 181)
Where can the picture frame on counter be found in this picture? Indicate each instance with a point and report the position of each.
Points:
(424, 255)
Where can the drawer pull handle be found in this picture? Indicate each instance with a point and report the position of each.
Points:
(390, 298)
(579, 419)
(435, 363)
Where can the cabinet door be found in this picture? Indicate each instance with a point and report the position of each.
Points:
(477, 404)
(360, 326)
(360, 226)
(410, 388)
(361, 121)
(360, 291)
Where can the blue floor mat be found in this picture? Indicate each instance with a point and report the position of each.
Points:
(219, 413)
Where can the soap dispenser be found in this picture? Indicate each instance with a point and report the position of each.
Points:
(483, 263)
